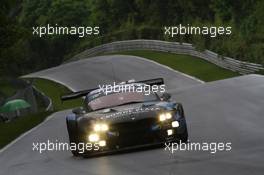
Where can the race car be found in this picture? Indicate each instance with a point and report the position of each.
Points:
(122, 120)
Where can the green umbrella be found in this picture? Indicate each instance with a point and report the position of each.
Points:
(14, 105)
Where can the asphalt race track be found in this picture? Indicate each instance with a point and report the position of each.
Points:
(90, 73)
(229, 110)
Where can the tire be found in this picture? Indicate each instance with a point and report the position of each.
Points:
(184, 136)
(73, 135)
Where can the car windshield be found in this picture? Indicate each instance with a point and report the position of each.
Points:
(117, 99)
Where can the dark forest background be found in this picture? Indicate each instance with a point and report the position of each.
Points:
(21, 52)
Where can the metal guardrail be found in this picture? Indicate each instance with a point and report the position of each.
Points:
(47, 100)
(172, 47)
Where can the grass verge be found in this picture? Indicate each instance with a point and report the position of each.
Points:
(190, 65)
(54, 91)
(11, 130)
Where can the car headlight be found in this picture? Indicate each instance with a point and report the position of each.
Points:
(175, 124)
(97, 127)
(169, 132)
(165, 116)
(93, 138)
(168, 115)
(104, 127)
(102, 143)
(162, 117)
(100, 127)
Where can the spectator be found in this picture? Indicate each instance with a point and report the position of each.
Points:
(2, 118)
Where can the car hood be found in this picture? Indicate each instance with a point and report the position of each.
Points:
(130, 112)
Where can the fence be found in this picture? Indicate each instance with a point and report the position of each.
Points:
(172, 47)
(47, 101)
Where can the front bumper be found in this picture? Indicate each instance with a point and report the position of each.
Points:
(126, 136)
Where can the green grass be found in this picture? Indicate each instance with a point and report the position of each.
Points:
(261, 72)
(190, 65)
(11, 130)
(54, 91)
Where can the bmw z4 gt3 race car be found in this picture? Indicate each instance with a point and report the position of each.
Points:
(124, 120)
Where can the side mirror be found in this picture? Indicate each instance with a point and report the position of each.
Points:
(79, 110)
(165, 96)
